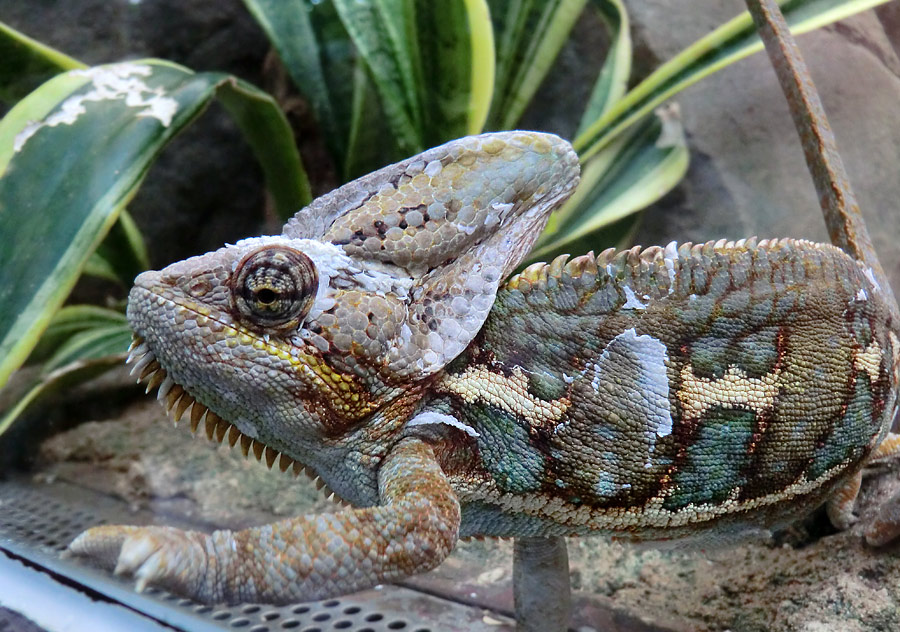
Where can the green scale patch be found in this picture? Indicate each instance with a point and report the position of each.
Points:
(506, 449)
(851, 434)
(715, 459)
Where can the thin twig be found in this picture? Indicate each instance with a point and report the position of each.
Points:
(843, 218)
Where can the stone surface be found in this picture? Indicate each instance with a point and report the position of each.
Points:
(146, 461)
(747, 174)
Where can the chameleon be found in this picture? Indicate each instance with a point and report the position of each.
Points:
(379, 344)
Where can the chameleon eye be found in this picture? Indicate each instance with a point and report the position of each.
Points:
(274, 288)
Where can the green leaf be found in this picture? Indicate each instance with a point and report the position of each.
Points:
(74, 152)
(90, 344)
(382, 32)
(122, 255)
(86, 355)
(457, 60)
(370, 144)
(26, 63)
(481, 37)
(430, 64)
(269, 134)
(321, 60)
(70, 320)
(630, 173)
(730, 42)
(530, 36)
(613, 79)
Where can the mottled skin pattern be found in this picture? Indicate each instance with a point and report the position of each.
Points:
(648, 394)
(700, 391)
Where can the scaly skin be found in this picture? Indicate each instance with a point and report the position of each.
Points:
(698, 391)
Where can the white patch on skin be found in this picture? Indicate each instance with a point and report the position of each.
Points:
(653, 358)
(246, 427)
(502, 210)
(869, 360)
(870, 274)
(670, 256)
(110, 83)
(568, 379)
(429, 417)
(416, 167)
(433, 168)
(862, 295)
(631, 300)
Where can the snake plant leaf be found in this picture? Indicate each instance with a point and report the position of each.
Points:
(632, 172)
(321, 60)
(431, 63)
(457, 59)
(85, 355)
(383, 32)
(730, 42)
(122, 254)
(92, 134)
(269, 134)
(25, 64)
(90, 344)
(370, 144)
(613, 78)
(530, 34)
(69, 321)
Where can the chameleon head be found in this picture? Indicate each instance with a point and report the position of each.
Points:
(369, 290)
(249, 332)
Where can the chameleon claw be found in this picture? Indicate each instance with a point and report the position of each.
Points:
(152, 556)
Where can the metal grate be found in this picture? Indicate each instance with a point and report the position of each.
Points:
(14, 622)
(37, 521)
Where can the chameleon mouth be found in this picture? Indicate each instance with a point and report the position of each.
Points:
(176, 400)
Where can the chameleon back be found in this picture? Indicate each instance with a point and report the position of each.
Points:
(650, 394)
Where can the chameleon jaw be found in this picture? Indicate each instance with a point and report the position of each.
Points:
(176, 401)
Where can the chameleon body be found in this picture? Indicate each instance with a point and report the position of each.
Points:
(663, 393)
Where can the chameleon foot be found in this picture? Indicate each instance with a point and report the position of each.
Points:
(160, 556)
(840, 506)
(885, 527)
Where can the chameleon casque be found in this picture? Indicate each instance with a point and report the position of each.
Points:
(713, 389)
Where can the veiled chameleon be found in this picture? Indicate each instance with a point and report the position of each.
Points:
(646, 394)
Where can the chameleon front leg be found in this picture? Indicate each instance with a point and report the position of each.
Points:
(306, 558)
